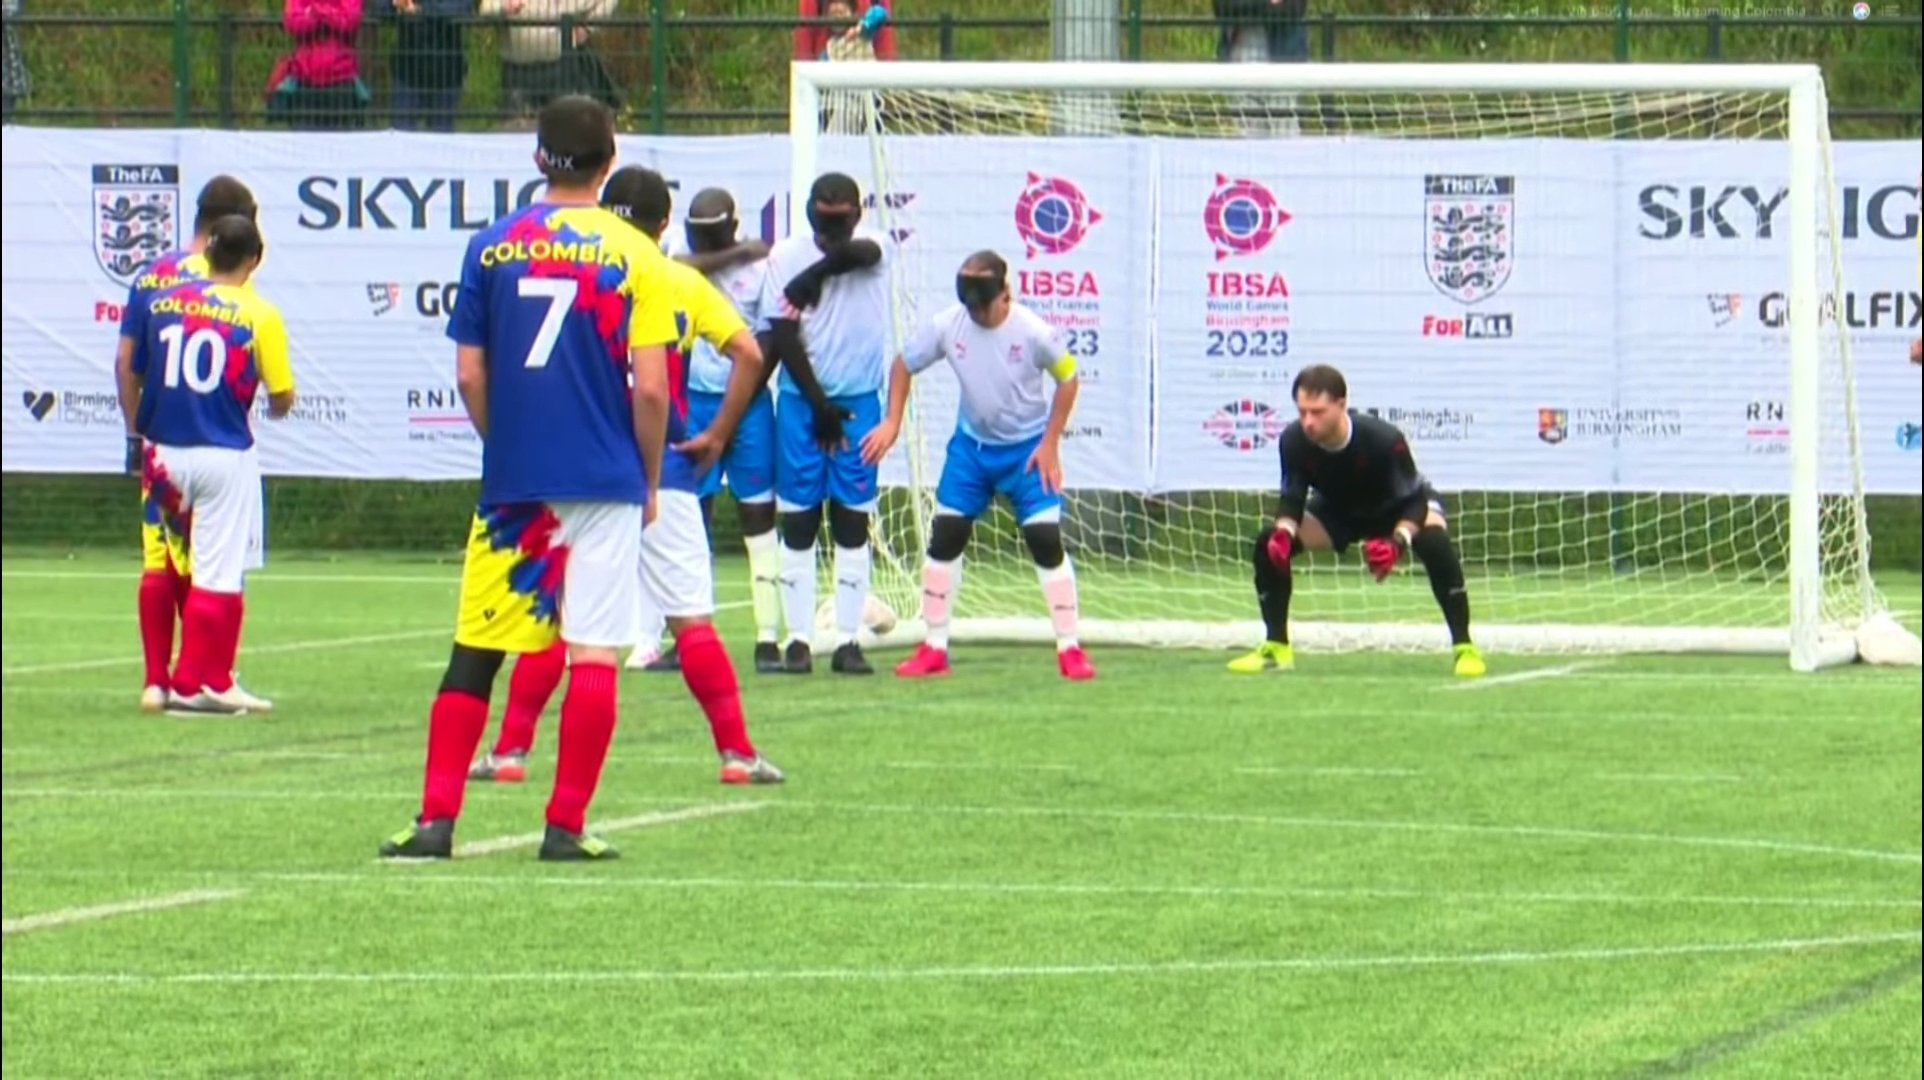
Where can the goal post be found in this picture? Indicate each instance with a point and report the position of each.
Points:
(1624, 471)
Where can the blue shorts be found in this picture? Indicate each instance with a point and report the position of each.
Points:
(749, 461)
(808, 475)
(976, 472)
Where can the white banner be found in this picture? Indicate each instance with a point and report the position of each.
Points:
(1537, 314)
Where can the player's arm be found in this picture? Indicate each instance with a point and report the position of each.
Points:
(1047, 352)
(468, 329)
(130, 370)
(271, 357)
(711, 262)
(925, 348)
(716, 323)
(1293, 449)
(804, 290)
(471, 379)
(651, 327)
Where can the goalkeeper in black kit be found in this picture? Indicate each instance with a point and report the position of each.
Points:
(1350, 477)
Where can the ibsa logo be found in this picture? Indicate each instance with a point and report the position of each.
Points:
(431, 299)
(136, 217)
(1242, 217)
(1245, 425)
(1469, 327)
(1056, 283)
(1052, 215)
(1253, 285)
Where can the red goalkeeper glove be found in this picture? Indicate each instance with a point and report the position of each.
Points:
(1279, 548)
(1382, 555)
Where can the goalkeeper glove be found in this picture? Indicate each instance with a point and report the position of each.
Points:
(828, 424)
(136, 455)
(1381, 555)
(1279, 546)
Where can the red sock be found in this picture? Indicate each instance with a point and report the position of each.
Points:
(157, 625)
(183, 586)
(533, 682)
(232, 608)
(203, 629)
(587, 727)
(710, 676)
(455, 727)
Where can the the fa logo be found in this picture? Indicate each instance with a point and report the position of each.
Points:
(1468, 229)
(1052, 216)
(136, 217)
(1242, 217)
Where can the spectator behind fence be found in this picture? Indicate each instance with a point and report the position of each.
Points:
(1263, 32)
(318, 86)
(845, 112)
(18, 82)
(536, 68)
(812, 41)
(430, 61)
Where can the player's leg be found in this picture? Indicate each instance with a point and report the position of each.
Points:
(853, 489)
(163, 590)
(221, 491)
(602, 542)
(679, 572)
(1276, 583)
(1436, 550)
(750, 465)
(961, 495)
(1040, 513)
(801, 488)
(495, 617)
(531, 685)
(648, 654)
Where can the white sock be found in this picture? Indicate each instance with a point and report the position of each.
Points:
(1059, 592)
(940, 582)
(764, 570)
(851, 591)
(797, 584)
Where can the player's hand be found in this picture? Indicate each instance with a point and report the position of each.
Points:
(1279, 546)
(752, 250)
(704, 449)
(829, 418)
(879, 441)
(1047, 461)
(1917, 351)
(1381, 556)
(136, 462)
(804, 292)
(650, 508)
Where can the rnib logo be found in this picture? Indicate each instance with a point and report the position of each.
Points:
(1468, 229)
(1244, 425)
(1910, 437)
(1242, 217)
(38, 403)
(1052, 215)
(382, 296)
(136, 217)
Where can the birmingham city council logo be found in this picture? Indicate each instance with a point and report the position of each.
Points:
(136, 217)
(1468, 228)
(1052, 215)
(1242, 217)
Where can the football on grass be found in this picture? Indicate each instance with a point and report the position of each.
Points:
(877, 617)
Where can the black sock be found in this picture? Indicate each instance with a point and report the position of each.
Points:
(1272, 593)
(1434, 549)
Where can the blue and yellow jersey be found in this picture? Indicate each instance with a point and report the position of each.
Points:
(702, 316)
(171, 269)
(556, 296)
(209, 348)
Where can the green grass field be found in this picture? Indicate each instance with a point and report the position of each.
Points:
(1645, 867)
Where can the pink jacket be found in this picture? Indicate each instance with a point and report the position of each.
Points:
(324, 33)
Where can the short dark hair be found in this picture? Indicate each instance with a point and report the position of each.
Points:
(1320, 380)
(986, 263)
(835, 189)
(574, 140)
(640, 195)
(231, 242)
(219, 197)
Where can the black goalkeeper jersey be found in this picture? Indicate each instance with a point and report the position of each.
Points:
(1372, 478)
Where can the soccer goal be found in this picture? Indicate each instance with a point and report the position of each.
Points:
(1601, 300)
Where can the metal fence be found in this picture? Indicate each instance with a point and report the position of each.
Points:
(669, 71)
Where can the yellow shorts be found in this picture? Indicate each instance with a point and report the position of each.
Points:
(535, 570)
(164, 536)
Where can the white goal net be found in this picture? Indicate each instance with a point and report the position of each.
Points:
(1574, 289)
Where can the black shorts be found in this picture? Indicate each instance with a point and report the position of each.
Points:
(1345, 529)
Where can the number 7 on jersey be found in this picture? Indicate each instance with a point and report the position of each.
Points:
(560, 295)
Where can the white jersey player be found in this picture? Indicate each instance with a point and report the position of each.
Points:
(1008, 440)
(825, 304)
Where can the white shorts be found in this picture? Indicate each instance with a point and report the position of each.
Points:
(599, 593)
(221, 489)
(677, 568)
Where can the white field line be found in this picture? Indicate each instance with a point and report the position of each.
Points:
(1335, 771)
(1532, 675)
(68, 916)
(1669, 778)
(1001, 888)
(1363, 825)
(252, 650)
(611, 825)
(956, 974)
